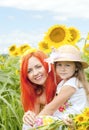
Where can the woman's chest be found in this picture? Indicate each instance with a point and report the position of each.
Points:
(41, 102)
(42, 99)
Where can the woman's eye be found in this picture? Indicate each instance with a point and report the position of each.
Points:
(36, 67)
(29, 71)
(39, 66)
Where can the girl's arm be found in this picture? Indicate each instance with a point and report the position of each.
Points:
(65, 93)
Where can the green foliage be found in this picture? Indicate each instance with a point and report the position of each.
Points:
(11, 110)
(86, 58)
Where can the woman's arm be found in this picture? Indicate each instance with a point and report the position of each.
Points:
(29, 116)
(65, 93)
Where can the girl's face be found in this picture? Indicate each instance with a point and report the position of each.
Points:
(65, 69)
(36, 71)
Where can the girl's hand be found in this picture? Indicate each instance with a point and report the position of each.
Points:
(69, 122)
(29, 118)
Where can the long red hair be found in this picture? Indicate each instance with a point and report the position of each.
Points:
(28, 95)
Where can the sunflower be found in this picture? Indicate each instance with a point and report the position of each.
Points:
(16, 52)
(88, 36)
(75, 35)
(86, 112)
(86, 127)
(57, 35)
(86, 49)
(29, 51)
(44, 47)
(24, 47)
(81, 127)
(12, 49)
(81, 118)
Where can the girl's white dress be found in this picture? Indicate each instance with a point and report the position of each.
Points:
(76, 103)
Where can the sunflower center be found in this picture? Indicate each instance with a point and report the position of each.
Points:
(12, 48)
(87, 128)
(57, 35)
(81, 119)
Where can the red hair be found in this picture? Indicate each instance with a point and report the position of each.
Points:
(28, 95)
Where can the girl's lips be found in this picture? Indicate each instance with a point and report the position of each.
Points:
(63, 73)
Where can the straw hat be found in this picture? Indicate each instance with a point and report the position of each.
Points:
(67, 53)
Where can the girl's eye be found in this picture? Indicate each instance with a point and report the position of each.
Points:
(58, 64)
(67, 65)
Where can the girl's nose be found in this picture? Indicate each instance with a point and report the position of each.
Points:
(63, 67)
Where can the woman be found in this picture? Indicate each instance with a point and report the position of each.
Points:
(37, 84)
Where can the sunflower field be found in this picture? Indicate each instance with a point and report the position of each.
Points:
(10, 105)
(11, 110)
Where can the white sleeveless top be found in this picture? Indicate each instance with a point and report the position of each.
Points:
(76, 103)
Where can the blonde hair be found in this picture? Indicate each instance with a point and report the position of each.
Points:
(80, 74)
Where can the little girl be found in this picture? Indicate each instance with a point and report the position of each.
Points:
(73, 91)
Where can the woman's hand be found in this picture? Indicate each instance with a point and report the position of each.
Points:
(29, 118)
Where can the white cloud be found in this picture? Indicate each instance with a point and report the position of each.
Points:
(76, 8)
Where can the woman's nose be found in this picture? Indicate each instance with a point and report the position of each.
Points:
(35, 72)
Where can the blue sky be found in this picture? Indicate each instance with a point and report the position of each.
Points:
(26, 21)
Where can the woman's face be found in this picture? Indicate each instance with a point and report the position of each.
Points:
(36, 71)
(65, 69)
